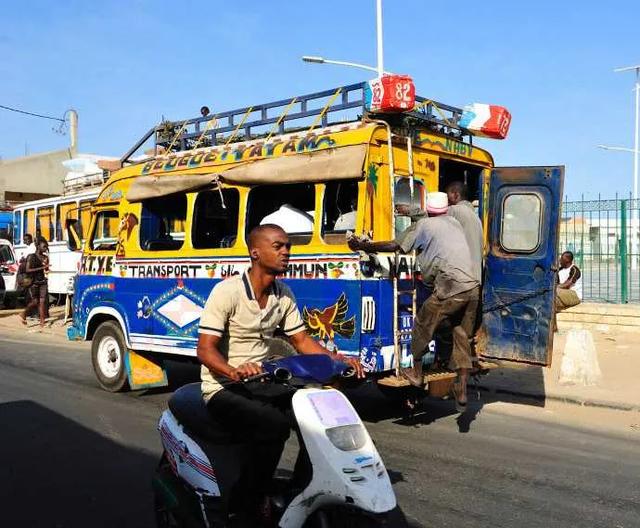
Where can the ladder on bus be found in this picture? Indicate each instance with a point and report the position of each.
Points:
(302, 113)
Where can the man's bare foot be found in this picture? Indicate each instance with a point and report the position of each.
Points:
(459, 390)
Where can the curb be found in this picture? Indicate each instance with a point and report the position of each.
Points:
(561, 398)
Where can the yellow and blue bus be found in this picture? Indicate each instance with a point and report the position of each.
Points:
(166, 229)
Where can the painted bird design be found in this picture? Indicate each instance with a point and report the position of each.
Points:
(330, 321)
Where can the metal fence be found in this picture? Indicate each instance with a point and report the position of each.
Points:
(604, 238)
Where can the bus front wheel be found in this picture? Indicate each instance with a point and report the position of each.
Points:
(108, 350)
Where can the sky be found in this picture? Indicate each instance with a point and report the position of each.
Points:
(125, 65)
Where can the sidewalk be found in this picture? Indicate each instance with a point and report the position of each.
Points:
(619, 360)
(10, 319)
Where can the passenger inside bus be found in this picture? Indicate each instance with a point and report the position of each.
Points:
(456, 171)
(290, 206)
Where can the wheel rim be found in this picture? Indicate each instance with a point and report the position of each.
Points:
(109, 357)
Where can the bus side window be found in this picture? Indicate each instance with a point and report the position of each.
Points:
(215, 226)
(62, 215)
(44, 223)
(17, 227)
(402, 196)
(339, 210)
(290, 206)
(84, 218)
(162, 223)
(29, 223)
(105, 232)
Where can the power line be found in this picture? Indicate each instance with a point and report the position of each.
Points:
(31, 113)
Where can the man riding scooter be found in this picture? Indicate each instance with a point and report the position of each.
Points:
(236, 332)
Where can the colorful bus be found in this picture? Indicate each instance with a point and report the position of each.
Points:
(165, 230)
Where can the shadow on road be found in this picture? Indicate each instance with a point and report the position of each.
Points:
(375, 404)
(57, 473)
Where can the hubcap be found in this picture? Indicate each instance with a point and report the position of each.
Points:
(109, 357)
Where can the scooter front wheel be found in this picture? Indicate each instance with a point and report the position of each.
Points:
(346, 517)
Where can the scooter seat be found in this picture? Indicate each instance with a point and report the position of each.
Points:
(190, 410)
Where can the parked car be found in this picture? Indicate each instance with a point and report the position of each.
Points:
(8, 272)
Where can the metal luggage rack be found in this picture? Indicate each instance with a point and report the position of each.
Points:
(345, 104)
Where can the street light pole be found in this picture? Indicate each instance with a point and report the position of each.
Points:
(636, 140)
(322, 60)
(379, 39)
(379, 69)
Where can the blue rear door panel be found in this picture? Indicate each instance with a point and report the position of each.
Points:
(520, 266)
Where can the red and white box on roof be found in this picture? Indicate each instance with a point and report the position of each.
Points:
(486, 120)
(390, 93)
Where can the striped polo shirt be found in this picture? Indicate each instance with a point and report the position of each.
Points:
(232, 313)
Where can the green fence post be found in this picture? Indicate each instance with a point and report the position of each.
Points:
(624, 293)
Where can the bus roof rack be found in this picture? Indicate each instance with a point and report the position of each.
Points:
(345, 104)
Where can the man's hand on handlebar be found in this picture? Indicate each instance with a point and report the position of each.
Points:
(246, 370)
(354, 363)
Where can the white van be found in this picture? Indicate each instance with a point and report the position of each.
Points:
(8, 273)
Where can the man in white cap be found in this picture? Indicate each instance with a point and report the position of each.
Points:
(446, 267)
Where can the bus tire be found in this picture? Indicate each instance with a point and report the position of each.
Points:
(108, 351)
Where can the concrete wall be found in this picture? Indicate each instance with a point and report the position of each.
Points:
(32, 177)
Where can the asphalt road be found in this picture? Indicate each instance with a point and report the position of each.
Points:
(74, 456)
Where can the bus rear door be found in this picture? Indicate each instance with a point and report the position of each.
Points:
(520, 264)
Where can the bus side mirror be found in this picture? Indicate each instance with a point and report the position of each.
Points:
(74, 242)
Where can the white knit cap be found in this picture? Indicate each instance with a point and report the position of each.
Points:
(437, 202)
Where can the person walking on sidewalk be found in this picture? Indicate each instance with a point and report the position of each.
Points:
(38, 291)
(447, 268)
(569, 289)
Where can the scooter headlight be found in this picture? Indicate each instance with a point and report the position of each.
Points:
(347, 437)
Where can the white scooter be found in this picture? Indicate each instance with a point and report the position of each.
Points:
(339, 480)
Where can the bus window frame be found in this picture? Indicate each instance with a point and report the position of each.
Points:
(240, 221)
(52, 223)
(86, 205)
(61, 231)
(88, 243)
(541, 213)
(25, 215)
(186, 239)
(314, 234)
(17, 227)
(360, 202)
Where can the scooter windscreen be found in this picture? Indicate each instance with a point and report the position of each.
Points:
(308, 368)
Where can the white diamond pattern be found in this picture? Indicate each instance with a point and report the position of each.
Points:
(181, 311)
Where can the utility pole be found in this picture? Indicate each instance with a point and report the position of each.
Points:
(73, 131)
(379, 37)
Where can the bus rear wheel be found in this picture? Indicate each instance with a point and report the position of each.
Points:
(108, 351)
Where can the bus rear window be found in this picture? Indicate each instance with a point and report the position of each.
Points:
(215, 219)
(162, 226)
(290, 206)
(105, 233)
(521, 222)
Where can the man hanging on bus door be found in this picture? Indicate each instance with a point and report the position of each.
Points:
(446, 266)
